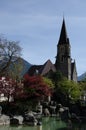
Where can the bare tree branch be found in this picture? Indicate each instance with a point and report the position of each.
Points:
(10, 51)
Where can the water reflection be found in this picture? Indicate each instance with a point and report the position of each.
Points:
(52, 124)
(74, 127)
(39, 127)
(48, 123)
(79, 127)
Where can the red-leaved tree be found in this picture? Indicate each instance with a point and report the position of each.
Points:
(35, 87)
(32, 87)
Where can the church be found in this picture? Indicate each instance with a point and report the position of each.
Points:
(63, 61)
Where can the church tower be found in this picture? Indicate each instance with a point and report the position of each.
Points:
(63, 61)
(63, 58)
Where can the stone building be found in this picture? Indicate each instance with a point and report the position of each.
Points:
(63, 61)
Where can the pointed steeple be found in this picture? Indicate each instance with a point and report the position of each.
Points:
(63, 35)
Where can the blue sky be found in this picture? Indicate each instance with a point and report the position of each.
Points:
(37, 24)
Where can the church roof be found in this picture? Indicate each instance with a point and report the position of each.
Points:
(42, 69)
(33, 69)
(47, 67)
(63, 35)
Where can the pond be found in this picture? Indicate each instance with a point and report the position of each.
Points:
(48, 123)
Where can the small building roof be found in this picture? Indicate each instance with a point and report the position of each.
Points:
(42, 69)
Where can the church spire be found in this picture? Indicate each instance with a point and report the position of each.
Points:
(63, 35)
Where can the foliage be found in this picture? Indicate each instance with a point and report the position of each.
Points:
(48, 82)
(16, 69)
(35, 87)
(71, 90)
(83, 85)
(56, 77)
(64, 88)
(30, 88)
(11, 89)
(7, 87)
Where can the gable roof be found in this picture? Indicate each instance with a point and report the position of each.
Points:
(42, 69)
(48, 66)
(33, 69)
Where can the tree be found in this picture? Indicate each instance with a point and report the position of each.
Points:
(7, 87)
(67, 90)
(56, 77)
(71, 89)
(83, 85)
(10, 52)
(48, 82)
(15, 70)
(10, 89)
(35, 87)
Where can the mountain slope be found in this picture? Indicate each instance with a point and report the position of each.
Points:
(26, 66)
(20, 63)
(82, 77)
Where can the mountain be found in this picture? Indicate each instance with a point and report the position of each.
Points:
(26, 66)
(82, 77)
